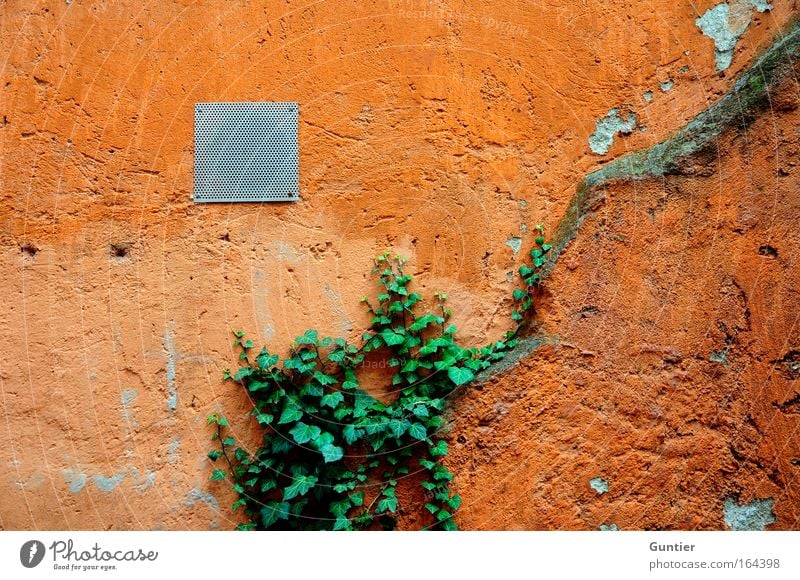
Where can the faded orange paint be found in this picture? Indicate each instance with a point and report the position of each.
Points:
(439, 133)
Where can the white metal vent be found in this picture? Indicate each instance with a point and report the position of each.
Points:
(245, 152)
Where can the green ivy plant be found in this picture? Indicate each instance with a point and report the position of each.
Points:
(331, 455)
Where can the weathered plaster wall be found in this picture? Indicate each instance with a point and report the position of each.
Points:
(666, 394)
(440, 130)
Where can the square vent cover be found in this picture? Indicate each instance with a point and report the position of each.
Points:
(245, 152)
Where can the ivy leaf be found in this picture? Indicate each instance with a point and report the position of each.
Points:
(242, 373)
(291, 412)
(460, 375)
(352, 434)
(357, 499)
(473, 364)
(341, 412)
(454, 502)
(332, 400)
(387, 504)
(264, 419)
(439, 449)
(331, 453)
(418, 431)
(420, 410)
(274, 511)
(449, 525)
(300, 485)
(428, 349)
(341, 523)
(309, 337)
(254, 386)
(350, 381)
(398, 427)
(311, 389)
(340, 508)
(337, 355)
(266, 360)
(410, 366)
(363, 401)
(324, 379)
(441, 473)
(422, 322)
(343, 487)
(427, 463)
(214, 455)
(519, 294)
(217, 475)
(391, 337)
(303, 433)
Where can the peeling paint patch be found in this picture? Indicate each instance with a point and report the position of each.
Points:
(725, 24)
(606, 128)
(761, 5)
(753, 516)
(142, 482)
(173, 450)
(127, 397)
(719, 357)
(260, 292)
(338, 308)
(199, 496)
(609, 528)
(107, 484)
(75, 479)
(34, 481)
(172, 357)
(667, 85)
(515, 243)
(647, 96)
(285, 252)
(599, 484)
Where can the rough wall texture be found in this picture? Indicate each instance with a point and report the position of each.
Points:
(441, 130)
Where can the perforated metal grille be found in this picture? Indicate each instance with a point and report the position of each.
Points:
(245, 152)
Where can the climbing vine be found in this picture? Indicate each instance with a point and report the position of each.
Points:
(331, 455)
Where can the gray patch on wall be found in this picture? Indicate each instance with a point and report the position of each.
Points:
(609, 528)
(753, 516)
(76, 480)
(198, 496)
(515, 243)
(606, 128)
(599, 484)
(726, 23)
(108, 484)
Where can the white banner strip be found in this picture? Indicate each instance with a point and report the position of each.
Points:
(401, 555)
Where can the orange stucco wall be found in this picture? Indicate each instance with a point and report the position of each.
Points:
(440, 130)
